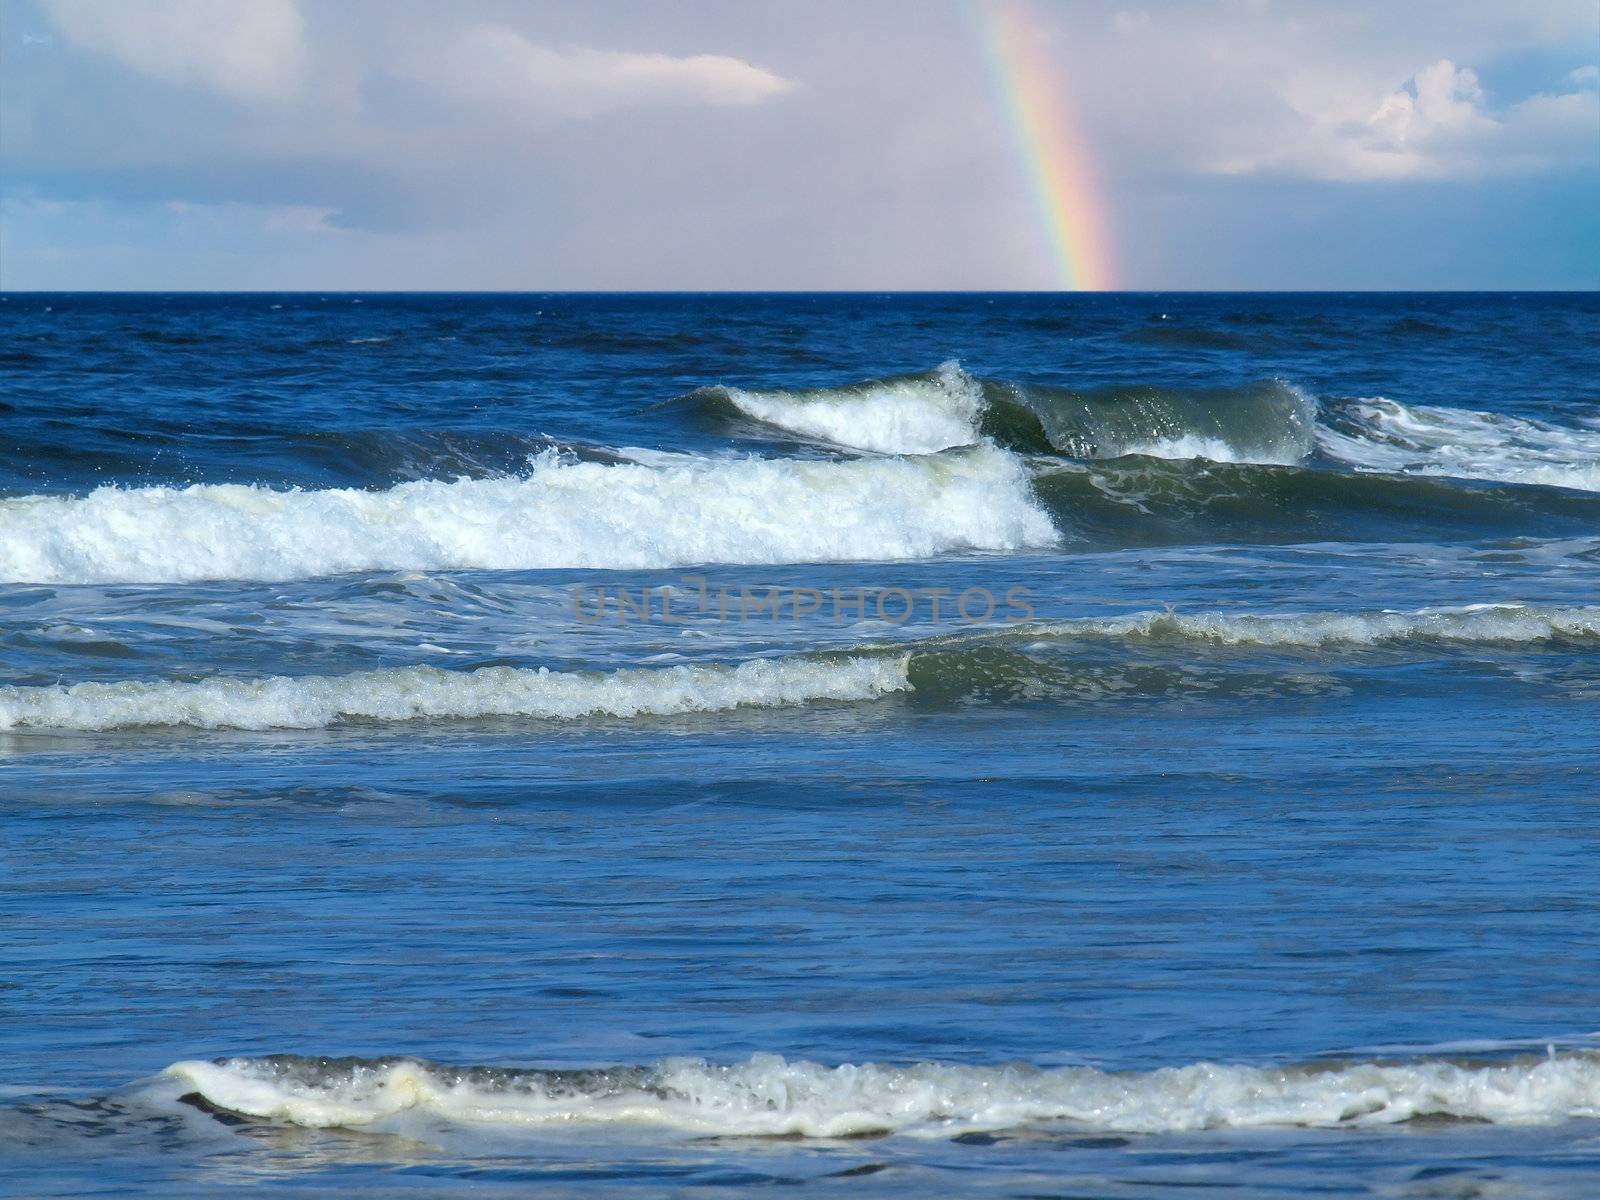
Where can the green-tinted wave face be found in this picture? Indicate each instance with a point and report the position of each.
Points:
(1269, 421)
(1011, 422)
(1152, 501)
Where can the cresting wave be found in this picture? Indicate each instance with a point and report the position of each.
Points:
(909, 414)
(1115, 468)
(411, 693)
(1268, 422)
(769, 1096)
(561, 514)
(919, 414)
(1026, 661)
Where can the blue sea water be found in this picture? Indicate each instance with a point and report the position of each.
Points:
(908, 745)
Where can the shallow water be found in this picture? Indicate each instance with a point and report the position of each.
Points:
(915, 745)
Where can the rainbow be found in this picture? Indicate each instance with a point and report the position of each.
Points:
(1052, 152)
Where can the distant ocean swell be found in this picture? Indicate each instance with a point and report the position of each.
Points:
(769, 1096)
(915, 467)
(1040, 661)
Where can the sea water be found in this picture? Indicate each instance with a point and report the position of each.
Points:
(888, 745)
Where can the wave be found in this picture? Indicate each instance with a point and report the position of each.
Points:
(561, 514)
(1150, 502)
(1270, 422)
(919, 414)
(956, 464)
(1384, 435)
(1174, 656)
(768, 1096)
(910, 414)
(1266, 422)
(1039, 660)
(411, 693)
(1483, 624)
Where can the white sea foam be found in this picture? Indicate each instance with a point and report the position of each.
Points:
(1190, 445)
(1383, 435)
(1476, 623)
(408, 693)
(912, 415)
(561, 514)
(770, 1096)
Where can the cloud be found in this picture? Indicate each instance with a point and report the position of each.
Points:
(499, 67)
(1437, 125)
(536, 143)
(247, 49)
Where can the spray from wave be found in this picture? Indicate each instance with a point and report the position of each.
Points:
(769, 1096)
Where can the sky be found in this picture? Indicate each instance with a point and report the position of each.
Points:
(799, 144)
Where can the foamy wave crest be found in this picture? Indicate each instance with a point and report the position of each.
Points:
(1384, 435)
(768, 1096)
(1185, 447)
(914, 414)
(561, 514)
(409, 693)
(1476, 623)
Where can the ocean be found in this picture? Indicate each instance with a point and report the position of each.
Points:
(880, 745)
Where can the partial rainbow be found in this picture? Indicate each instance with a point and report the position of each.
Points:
(1050, 147)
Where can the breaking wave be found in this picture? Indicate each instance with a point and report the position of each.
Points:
(411, 693)
(910, 414)
(1271, 422)
(560, 514)
(1042, 660)
(941, 463)
(769, 1096)
(1384, 435)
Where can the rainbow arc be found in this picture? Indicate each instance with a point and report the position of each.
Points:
(1055, 157)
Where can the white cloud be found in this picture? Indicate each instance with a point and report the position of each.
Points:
(247, 49)
(494, 65)
(446, 145)
(1435, 126)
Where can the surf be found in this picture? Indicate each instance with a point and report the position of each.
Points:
(770, 1096)
(678, 510)
(1159, 655)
